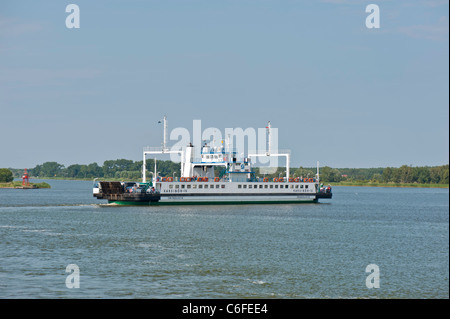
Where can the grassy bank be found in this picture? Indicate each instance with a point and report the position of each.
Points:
(375, 184)
(18, 184)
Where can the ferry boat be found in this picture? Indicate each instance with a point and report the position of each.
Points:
(198, 183)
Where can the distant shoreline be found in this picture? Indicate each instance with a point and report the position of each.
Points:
(401, 185)
(363, 184)
(18, 185)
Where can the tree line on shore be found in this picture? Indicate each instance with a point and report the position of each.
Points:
(132, 170)
(401, 175)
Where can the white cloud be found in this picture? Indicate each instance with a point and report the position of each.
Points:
(12, 27)
(43, 77)
(437, 31)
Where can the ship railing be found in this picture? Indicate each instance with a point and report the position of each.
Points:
(153, 149)
(272, 152)
(222, 151)
(198, 160)
(160, 150)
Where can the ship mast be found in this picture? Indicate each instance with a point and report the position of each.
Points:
(318, 171)
(269, 151)
(164, 146)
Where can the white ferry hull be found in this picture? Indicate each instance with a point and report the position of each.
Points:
(235, 199)
(196, 193)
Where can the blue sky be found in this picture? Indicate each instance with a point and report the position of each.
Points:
(338, 92)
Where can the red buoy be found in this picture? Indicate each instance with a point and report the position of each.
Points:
(25, 180)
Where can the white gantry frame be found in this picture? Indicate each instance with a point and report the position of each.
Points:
(156, 151)
(277, 154)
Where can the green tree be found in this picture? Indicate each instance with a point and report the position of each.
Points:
(421, 175)
(328, 174)
(93, 170)
(111, 167)
(73, 170)
(51, 169)
(406, 174)
(435, 175)
(377, 178)
(6, 175)
(303, 172)
(36, 171)
(395, 175)
(387, 174)
(444, 174)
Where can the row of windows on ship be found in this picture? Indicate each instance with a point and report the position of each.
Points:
(240, 186)
(212, 157)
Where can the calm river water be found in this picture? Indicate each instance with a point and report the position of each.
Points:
(257, 251)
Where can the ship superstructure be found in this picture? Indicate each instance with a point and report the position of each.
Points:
(217, 177)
